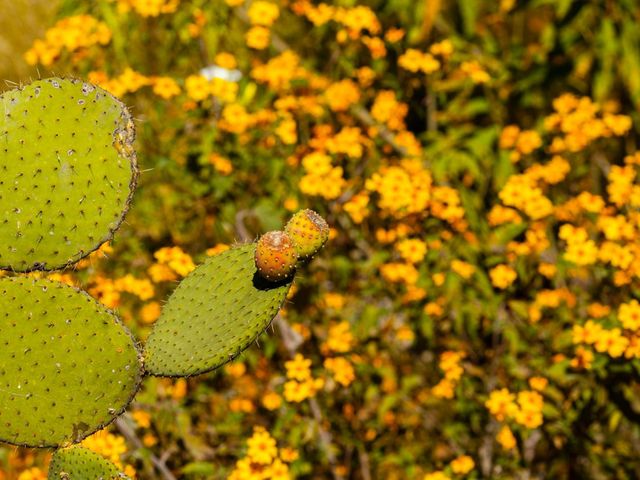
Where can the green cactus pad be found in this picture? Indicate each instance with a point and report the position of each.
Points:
(214, 314)
(67, 365)
(67, 172)
(79, 463)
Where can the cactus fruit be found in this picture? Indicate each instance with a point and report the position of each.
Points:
(216, 312)
(67, 365)
(79, 463)
(308, 231)
(275, 256)
(68, 172)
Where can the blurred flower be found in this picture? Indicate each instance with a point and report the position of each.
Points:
(506, 439)
(263, 13)
(502, 276)
(462, 465)
(258, 37)
(165, 87)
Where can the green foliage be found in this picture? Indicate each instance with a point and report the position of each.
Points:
(67, 364)
(214, 314)
(68, 171)
(78, 463)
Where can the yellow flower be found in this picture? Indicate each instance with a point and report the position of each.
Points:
(341, 95)
(340, 338)
(414, 60)
(222, 165)
(436, 476)
(235, 369)
(165, 87)
(149, 440)
(394, 35)
(297, 392)
(462, 465)
(258, 37)
(356, 19)
(271, 401)
(547, 270)
(150, 312)
(412, 250)
(262, 447)
(277, 471)
(464, 269)
(288, 455)
(501, 404)
(225, 60)
(149, 8)
(142, 418)
(376, 46)
(528, 141)
(443, 389)
(179, 261)
(509, 136)
(598, 310)
(433, 309)
(263, 13)
(335, 301)
(219, 248)
(348, 140)
(110, 446)
(502, 276)
(475, 72)
(399, 273)
(583, 359)
(357, 207)
(72, 34)
(612, 342)
(33, 473)
(197, 87)
(443, 48)
(506, 439)
(341, 369)
(629, 315)
(298, 368)
(538, 383)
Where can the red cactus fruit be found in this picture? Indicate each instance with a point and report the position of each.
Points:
(275, 256)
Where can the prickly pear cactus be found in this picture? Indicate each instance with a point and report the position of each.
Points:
(67, 365)
(78, 463)
(67, 172)
(213, 315)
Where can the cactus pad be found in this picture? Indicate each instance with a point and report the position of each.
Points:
(67, 172)
(67, 365)
(79, 463)
(214, 314)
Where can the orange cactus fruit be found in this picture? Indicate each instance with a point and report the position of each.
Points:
(275, 256)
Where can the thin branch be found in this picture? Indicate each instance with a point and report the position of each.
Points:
(292, 342)
(365, 465)
(125, 429)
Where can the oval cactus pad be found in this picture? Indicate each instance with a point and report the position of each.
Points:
(214, 314)
(67, 365)
(78, 463)
(67, 172)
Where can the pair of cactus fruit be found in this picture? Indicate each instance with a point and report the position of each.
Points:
(68, 366)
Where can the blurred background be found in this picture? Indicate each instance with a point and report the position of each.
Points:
(21, 22)
(475, 313)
